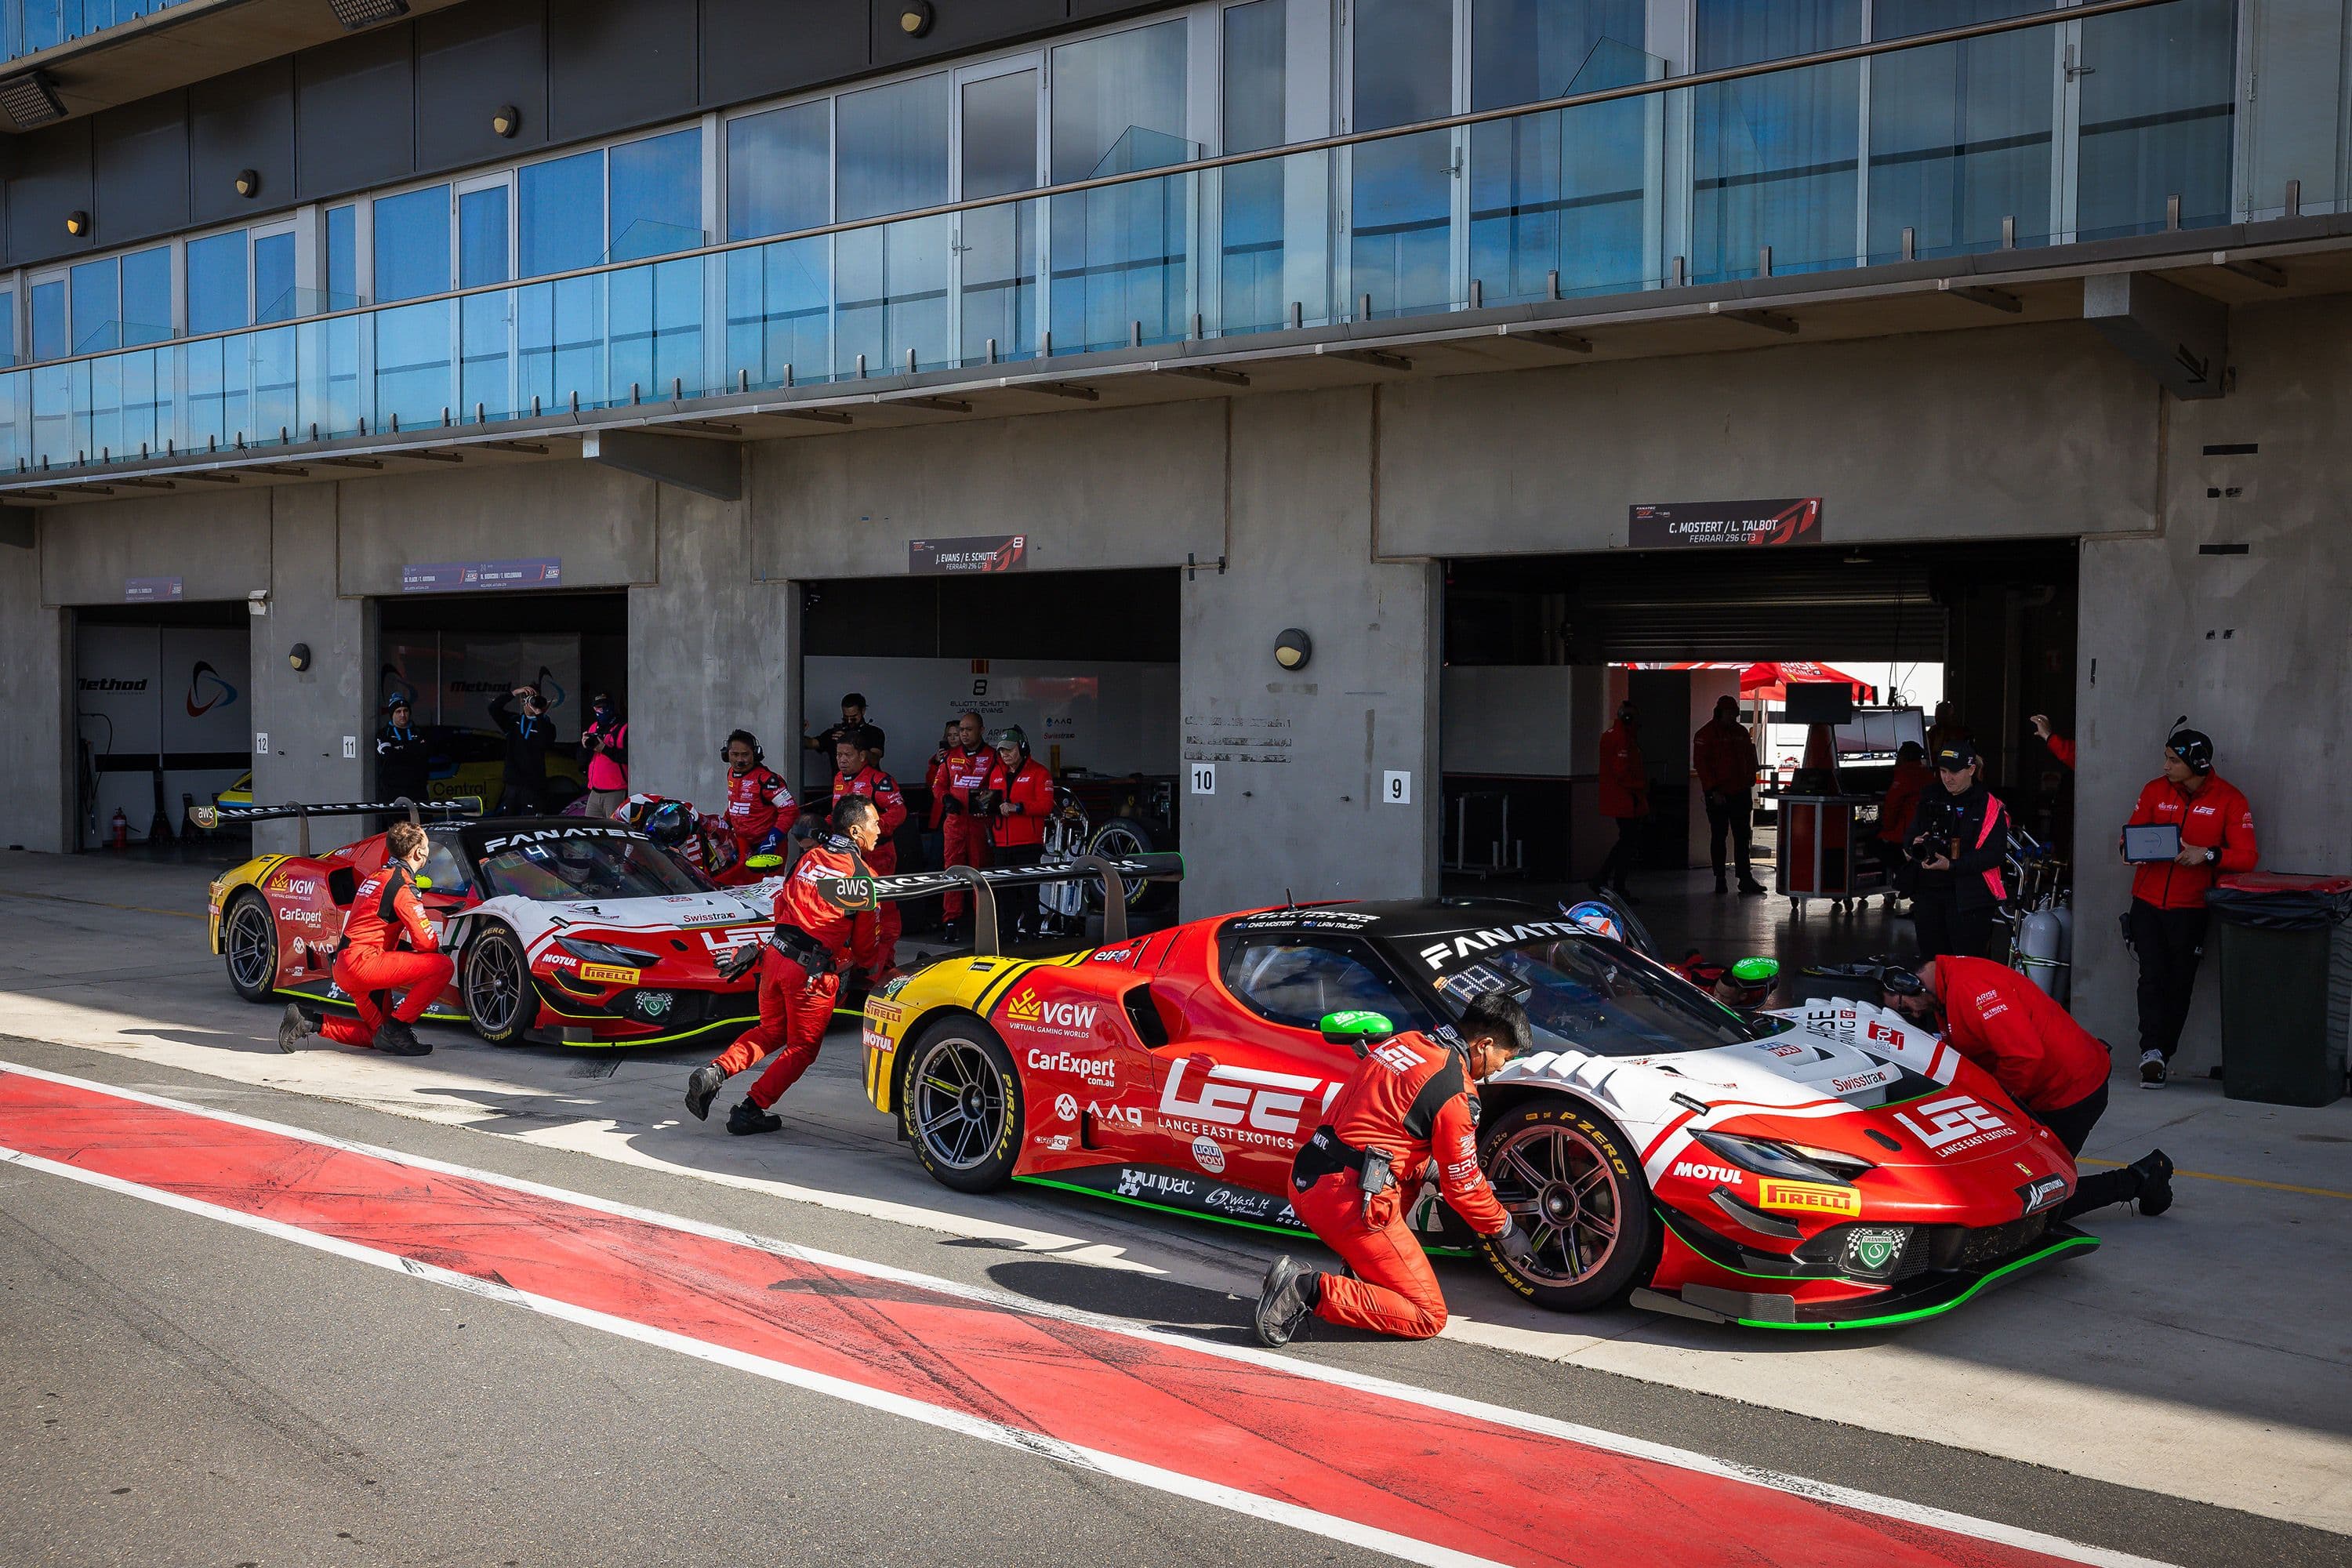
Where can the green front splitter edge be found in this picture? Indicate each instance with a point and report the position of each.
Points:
(2014, 1264)
(1211, 1218)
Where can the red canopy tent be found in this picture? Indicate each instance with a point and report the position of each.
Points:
(1771, 682)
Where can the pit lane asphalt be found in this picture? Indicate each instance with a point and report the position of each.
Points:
(175, 1390)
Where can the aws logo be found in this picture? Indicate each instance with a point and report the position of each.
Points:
(207, 690)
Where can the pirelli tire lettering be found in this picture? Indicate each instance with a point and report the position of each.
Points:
(1563, 1172)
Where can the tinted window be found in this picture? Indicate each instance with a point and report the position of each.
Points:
(599, 867)
(779, 171)
(1591, 993)
(656, 203)
(562, 214)
(217, 283)
(1299, 981)
(412, 244)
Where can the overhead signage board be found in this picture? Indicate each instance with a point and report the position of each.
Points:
(1679, 525)
(956, 557)
(150, 590)
(470, 576)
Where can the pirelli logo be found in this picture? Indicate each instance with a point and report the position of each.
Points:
(607, 975)
(1808, 1197)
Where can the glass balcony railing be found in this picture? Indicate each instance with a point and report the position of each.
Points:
(1997, 139)
(28, 27)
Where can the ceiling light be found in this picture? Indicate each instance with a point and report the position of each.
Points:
(78, 223)
(507, 119)
(31, 100)
(915, 17)
(1293, 649)
(357, 13)
(248, 182)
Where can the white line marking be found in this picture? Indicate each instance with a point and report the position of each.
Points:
(1501, 1416)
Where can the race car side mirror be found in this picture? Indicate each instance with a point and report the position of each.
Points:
(1356, 1028)
(423, 883)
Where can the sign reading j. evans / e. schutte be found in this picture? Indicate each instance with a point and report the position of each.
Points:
(1677, 524)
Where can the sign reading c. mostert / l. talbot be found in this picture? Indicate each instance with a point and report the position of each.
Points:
(1765, 522)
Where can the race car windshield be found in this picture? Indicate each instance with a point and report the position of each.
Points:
(589, 869)
(1598, 996)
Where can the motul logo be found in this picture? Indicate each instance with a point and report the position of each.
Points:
(1727, 1174)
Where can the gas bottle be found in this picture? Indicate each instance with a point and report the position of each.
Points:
(2064, 911)
(121, 826)
(2038, 942)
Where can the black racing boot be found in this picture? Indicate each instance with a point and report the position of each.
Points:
(394, 1039)
(1749, 886)
(1290, 1295)
(294, 1027)
(747, 1119)
(2155, 1169)
(703, 1088)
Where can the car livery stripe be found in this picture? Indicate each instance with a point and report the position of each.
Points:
(1307, 1446)
(993, 991)
(2070, 1243)
(1665, 1133)
(435, 1014)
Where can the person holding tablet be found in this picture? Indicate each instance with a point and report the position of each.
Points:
(2190, 827)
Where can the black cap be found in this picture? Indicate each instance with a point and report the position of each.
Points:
(1955, 755)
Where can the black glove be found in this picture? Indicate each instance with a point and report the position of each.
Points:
(739, 960)
(1512, 1243)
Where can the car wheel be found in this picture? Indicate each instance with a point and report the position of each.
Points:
(250, 943)
(1573, 1185)
(961, 1105)
(499, 999)
(1115, 839)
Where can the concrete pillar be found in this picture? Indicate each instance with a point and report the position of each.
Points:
(35, 790)
(308, 713)
(709, 650)
(1300, 757)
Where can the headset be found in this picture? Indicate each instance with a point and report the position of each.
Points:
(748, 739)
(2191, 746)
(1624, 711)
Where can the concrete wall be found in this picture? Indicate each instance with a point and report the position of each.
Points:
(1300, 755)
(35, 803)
(2018, 431)
(2255, 649)
(308, 713)
(216, 541)
(598, 521)
(710, 652)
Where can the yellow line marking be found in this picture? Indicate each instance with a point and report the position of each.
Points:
(102, 904)
(2240, 1180)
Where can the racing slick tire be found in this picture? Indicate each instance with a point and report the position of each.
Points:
(1120, 837)
(500, 1002)
(960, 1104)
(249, 946)
(1574, 1185)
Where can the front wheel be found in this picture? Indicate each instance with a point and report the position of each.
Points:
(963, 1106)
(1571, 1184)
(498, 987)
(250, 944)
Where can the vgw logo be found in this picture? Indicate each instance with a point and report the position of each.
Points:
(207, 690)
(1028, 1007)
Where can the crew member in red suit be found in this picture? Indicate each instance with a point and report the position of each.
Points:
(1911, 778)
(2054, 1069)
(2165, 925)
(856, 757)
(800, 974)
(760, 805)
(962, 773)
(1723, 755)
(2061, 746)
(1625, 799)
(1019, 797)
(1411, 1102)
(369, 969)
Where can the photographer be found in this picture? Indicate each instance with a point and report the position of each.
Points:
(529, 735)
(605, 750)
(1960, 837)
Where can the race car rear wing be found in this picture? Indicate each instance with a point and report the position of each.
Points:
(210, 817)
(858, 893)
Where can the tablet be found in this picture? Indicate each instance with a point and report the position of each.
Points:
(2153, 841)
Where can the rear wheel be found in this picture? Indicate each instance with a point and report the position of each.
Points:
(1572, 1186)
(250, 944)
(1115, 840)
(498, 986)
(963, 1106)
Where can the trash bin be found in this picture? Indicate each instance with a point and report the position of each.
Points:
(2286, 986)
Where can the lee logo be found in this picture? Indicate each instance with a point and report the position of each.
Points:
(1396, 1058)
(1235, 1097)
(1955, 1123)
(1808, 1197)
(1728, 1175)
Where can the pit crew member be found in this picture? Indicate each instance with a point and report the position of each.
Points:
(2061, 747)
(524, 789)
(962, 774)
(370, 970)
(1017, 799)
(2052, 1067)
(1409, 1102)
(760, 805)
(800, 974)
(1960, 837)
(404, 762)
(1909, 781)
(1625, 799)
(2165, 925)
(856, 757)
(1723, 755)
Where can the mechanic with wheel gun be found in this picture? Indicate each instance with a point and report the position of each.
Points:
(2055, 1069)
(857, 757)
(1411, 1101)
(370, 970)
(800, 973)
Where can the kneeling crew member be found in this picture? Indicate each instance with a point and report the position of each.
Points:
(800, 974)
(1409, 1102)
(2054, 1068)
(368, 969)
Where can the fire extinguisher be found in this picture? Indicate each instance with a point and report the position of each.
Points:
(122, 829)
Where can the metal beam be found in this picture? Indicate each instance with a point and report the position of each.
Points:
(1381, 357)
(1217, 374)
(713, 468)
(2180, 337)
(1771, 320)
(1992, 299)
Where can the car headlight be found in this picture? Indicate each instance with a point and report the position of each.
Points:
(1790, 1161)
(603, 953)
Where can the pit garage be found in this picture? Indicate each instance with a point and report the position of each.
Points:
(161, 717)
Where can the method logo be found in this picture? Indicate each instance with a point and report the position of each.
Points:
(207, 690)
(1955, 1123)
(1251, 1105)
(1729, 1175)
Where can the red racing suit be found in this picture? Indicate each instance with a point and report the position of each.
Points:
(1410, 1097)
(876, 948)
(1724, 757)
(961, 773)
(1901, 798)
(796, 993)
(369, 970)
(2014, 1030)
(760, 811)
(2063, 748)
(1030, 790)
(2216, 816)
(1625, 784)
